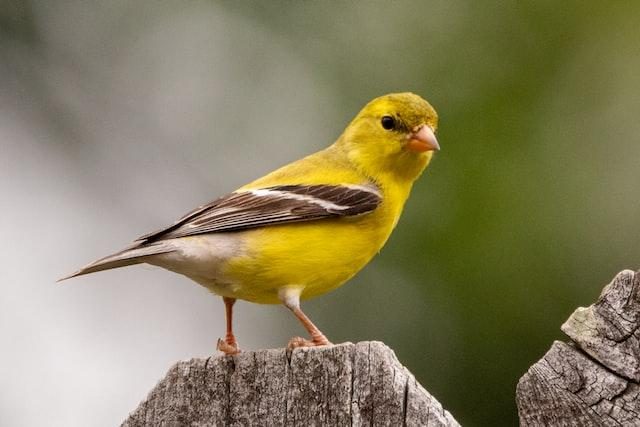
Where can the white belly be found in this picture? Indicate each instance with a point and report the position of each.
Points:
(202, 258)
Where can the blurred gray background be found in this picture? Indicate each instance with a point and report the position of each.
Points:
(118, 117)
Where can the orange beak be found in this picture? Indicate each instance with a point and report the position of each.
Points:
(422, 139)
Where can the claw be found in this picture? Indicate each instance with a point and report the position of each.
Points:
(228, 348)
(296, 342)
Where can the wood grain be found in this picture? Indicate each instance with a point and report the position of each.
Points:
(593, 380)
(342, 385)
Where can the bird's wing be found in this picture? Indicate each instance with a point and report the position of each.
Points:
(261, 207)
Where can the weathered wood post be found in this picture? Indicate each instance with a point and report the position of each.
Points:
(343, 385)
(592, 380)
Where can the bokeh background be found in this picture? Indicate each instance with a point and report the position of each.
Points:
(118, 117)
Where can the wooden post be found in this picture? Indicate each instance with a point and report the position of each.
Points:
(342, 385)
(592, 380)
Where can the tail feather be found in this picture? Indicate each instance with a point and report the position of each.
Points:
(129, 256)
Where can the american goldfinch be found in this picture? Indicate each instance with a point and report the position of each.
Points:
(304, 229)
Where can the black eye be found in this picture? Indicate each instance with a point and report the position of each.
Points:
(388, 122)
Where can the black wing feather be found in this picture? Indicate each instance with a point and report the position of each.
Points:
(269, 206)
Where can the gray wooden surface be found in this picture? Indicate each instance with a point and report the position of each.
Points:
(343, 385)
(593, 380)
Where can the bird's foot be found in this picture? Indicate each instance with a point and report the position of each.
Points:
(228, 347)
(317, 341)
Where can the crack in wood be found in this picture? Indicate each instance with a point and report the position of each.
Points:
(593, 380)
(346, 384)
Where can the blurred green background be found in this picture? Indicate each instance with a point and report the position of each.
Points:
(118, 117)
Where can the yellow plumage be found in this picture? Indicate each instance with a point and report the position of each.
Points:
(345, 201)
(320, 256)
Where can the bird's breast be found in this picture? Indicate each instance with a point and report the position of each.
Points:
(317, 255)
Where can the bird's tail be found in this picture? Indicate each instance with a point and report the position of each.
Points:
(129, 256)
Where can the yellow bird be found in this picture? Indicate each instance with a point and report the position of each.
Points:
(304, 229)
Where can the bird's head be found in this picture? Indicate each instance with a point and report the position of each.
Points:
(393, 134)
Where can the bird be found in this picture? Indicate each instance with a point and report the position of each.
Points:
(304, 229)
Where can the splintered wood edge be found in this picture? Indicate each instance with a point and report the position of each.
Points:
(345, 384)
(593, 380)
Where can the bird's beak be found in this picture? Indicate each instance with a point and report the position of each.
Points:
(422, 139)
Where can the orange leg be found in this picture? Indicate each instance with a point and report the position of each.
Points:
(291, 299)
(229, 345)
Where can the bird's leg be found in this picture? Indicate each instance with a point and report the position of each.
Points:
(229, 345)
(317, 337)
(290, 297)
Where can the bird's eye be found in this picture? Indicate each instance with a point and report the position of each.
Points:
(388, 122)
